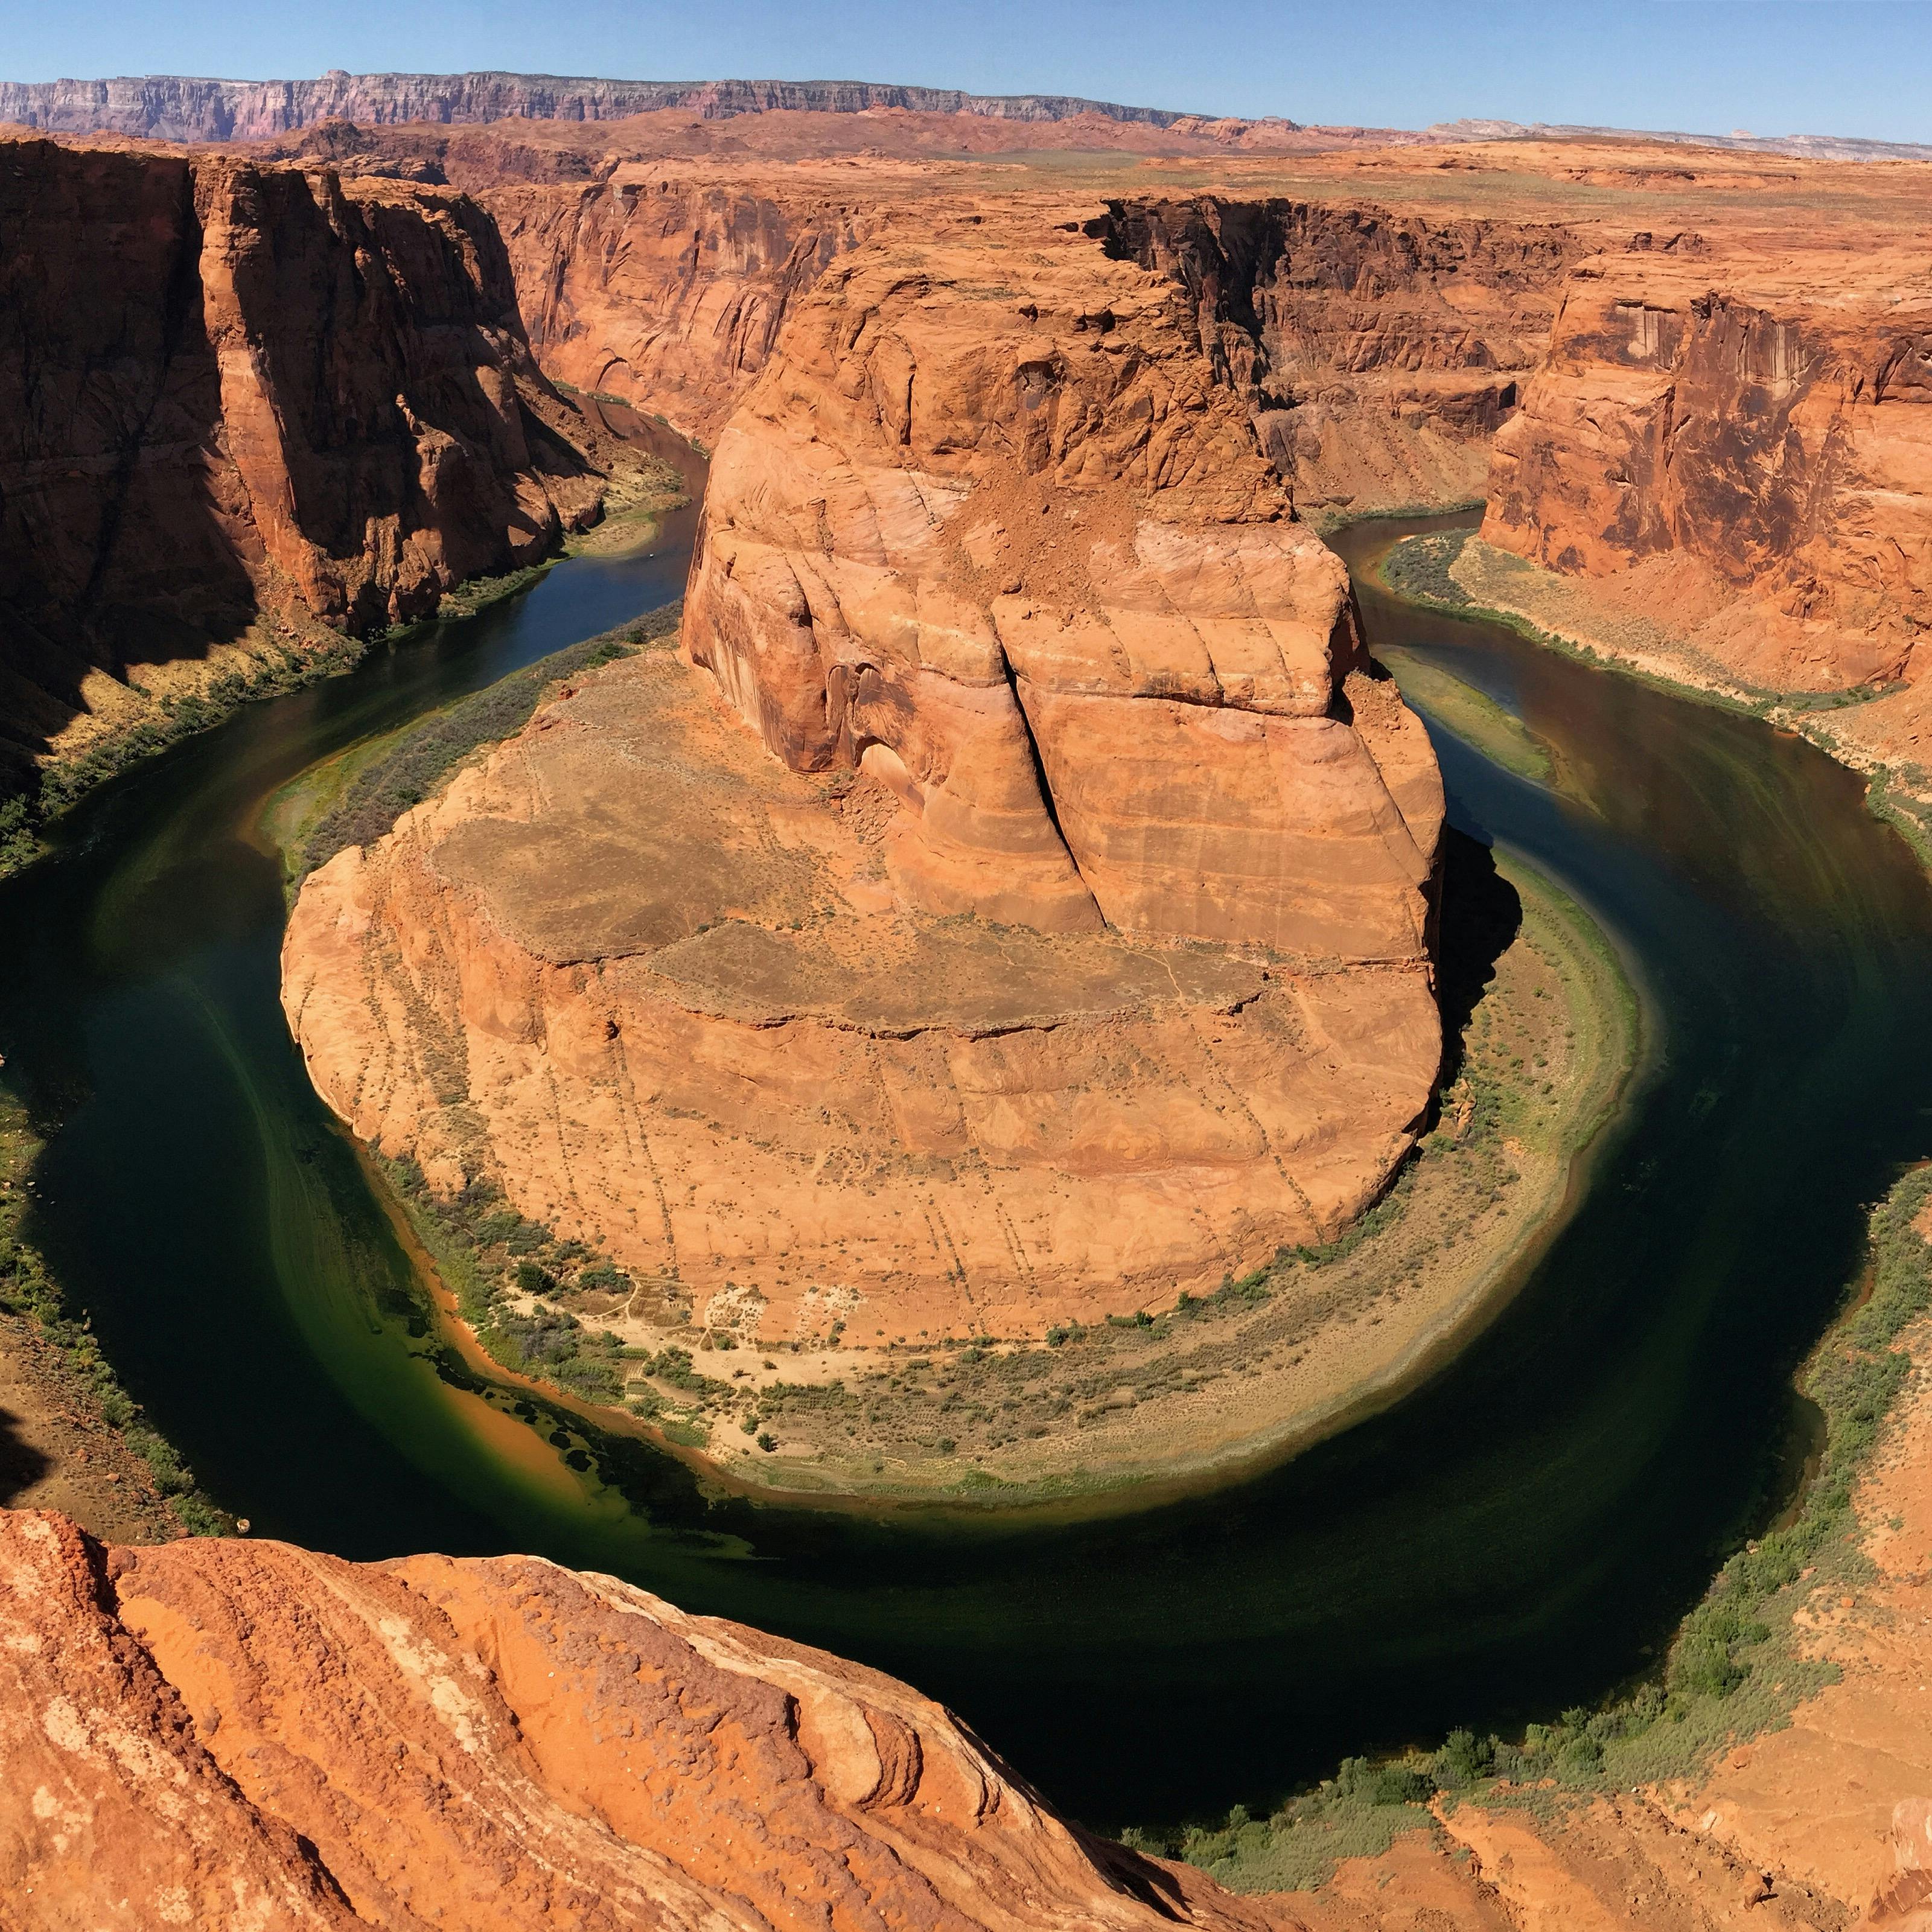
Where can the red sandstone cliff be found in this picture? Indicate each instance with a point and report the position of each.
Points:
(667, 292)
(309, 398)
(1012, 552)
(1377, 351)
(1750, 424)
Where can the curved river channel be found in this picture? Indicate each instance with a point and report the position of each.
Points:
(1512, 1538)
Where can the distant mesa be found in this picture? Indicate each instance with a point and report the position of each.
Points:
(177, 107)
(173, 107)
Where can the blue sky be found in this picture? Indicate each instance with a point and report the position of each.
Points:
(1840, 67)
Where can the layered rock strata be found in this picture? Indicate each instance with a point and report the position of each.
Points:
(1739, 441)
(227, 1734)
(1377, 351)
(1015, 911)
(1014, 555)
(175, 107)
(668, 292)
(655, 259)
(310, 403)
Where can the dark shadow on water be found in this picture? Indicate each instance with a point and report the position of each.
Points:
(1481, 915)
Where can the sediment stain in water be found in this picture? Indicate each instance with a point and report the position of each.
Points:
(1502, 1544)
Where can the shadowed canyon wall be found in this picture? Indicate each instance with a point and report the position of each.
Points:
(308, 399)
(669, 294)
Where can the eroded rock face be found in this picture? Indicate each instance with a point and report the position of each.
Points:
(309, 399)
(215, 1734)
(1046, 934)
(1013, 552)
(1378, 350)
(1766, 420)
(665, 290)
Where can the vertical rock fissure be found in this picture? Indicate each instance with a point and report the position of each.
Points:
(1047, 799)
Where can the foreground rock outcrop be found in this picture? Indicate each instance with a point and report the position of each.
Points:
(310, 407)
(1047, 933)
(229, 1734)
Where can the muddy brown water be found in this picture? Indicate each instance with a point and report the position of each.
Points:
(1509, 1539)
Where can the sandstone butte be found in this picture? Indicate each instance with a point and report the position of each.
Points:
(1001, 494)
(1047, 932)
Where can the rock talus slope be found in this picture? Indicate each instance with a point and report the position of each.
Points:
(1047, 930)
(229, 1734)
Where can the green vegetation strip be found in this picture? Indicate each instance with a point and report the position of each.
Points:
(500, 1266)
(62, 785)
(29, 1292)
(1735, 1670)
(410, 765)
(1473, 715)
(1421, 570)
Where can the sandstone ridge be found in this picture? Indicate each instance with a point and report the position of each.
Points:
(215, 1734)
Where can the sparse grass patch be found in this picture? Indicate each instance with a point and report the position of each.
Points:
(411, 765)
(493, 1262)
(60, 785)
(1417, 569)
